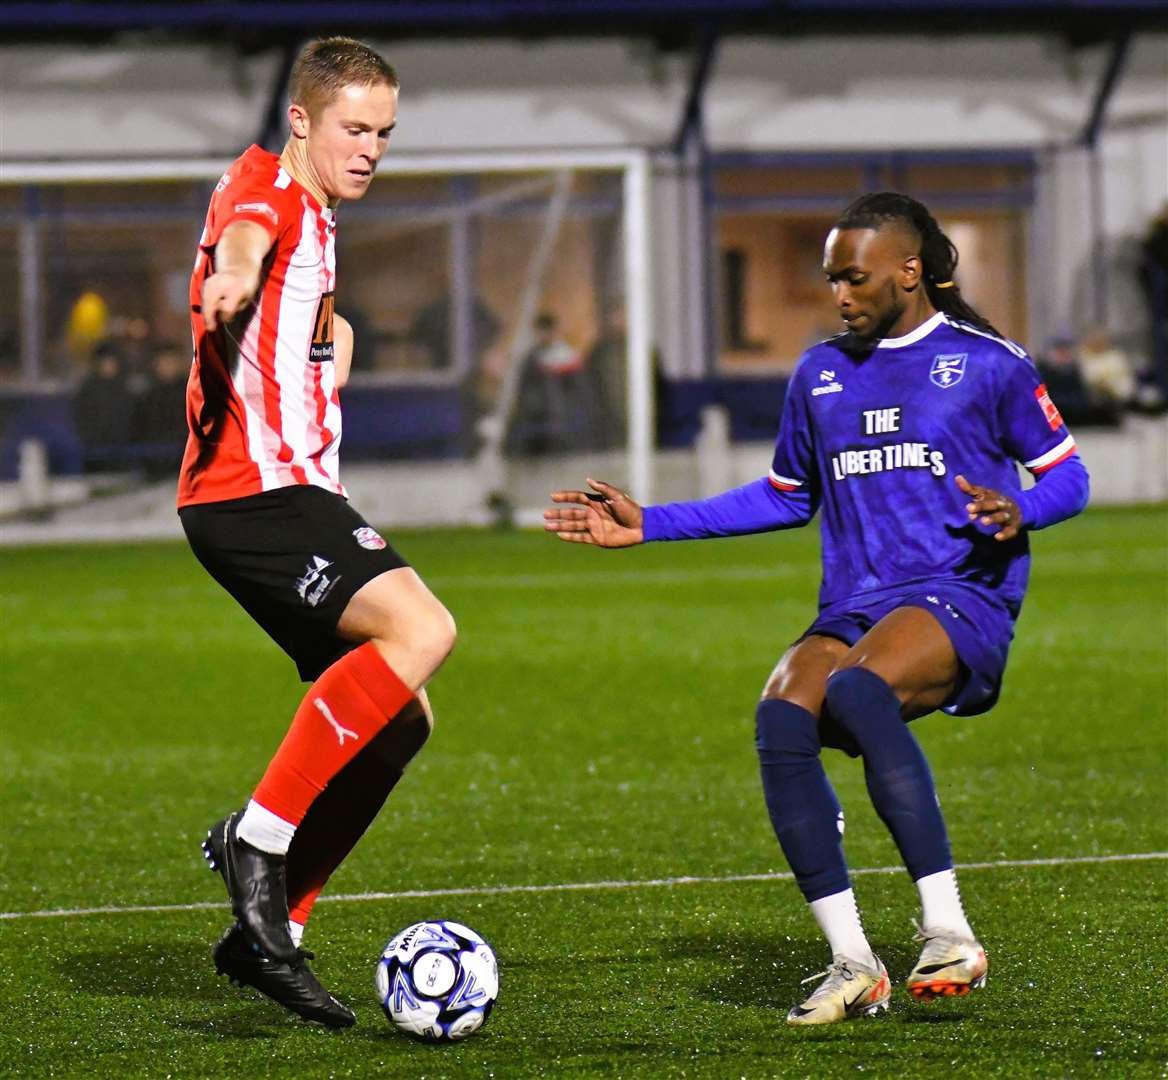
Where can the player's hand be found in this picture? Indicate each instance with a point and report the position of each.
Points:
(605, 516)
(991, 507)
(225, 295)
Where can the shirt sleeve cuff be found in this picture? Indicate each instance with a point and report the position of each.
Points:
(650, 523)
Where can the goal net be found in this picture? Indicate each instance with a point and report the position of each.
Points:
(500, 305)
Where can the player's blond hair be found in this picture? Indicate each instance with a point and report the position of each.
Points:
(327, 65)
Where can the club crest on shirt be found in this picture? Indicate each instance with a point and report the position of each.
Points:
(948, 369)
(369, 538)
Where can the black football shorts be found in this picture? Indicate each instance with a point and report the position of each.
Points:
(293, 558)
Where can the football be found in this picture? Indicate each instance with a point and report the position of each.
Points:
(437, 981)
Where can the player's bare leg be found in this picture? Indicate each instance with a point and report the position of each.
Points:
(406, 634)
(910, 651)
(808, 822)
(333, 825)
(802, 673)
(905, 667)
(405, 621)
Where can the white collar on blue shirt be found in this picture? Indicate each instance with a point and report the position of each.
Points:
(913, 336)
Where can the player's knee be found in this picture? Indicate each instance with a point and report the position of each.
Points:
(851, 693)
(444, 633)
(784, 732)
(434, 635)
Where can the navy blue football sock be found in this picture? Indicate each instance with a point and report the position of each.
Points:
(899, 780)
(803, 808)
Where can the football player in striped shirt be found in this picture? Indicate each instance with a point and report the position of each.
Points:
(262, 505)
(903, 433)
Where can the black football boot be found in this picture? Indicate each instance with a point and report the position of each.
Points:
(292, 985)
(256, 884)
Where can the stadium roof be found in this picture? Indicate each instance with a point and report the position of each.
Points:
(254, 23)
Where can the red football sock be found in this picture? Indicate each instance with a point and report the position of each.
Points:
(348, 806)
(330, 829)
(341, 713)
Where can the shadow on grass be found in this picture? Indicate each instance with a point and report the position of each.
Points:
(180, 970)
(252, 1024)
(917, 1017)
(761, 971)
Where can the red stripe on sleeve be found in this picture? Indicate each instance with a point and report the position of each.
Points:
(1050, 465)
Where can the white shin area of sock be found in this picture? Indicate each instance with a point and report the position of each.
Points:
(296, 929)
(264, 830)
(941, 903)
(839, 919)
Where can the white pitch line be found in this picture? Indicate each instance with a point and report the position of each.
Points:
(580, 886)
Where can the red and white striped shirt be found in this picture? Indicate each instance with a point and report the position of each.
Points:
(262, 405)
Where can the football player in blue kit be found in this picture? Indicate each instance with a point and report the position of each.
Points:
(903, 432)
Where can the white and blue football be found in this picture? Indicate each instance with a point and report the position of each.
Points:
(437, 981)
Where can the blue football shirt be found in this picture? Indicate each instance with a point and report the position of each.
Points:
(876, 435)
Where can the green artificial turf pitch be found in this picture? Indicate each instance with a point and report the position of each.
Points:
(595, 724)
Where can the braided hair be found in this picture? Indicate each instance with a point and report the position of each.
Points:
(937, 252)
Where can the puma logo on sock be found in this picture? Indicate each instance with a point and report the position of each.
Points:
(326, 712)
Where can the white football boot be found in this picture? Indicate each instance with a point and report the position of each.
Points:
(848, 989)
(950, 965)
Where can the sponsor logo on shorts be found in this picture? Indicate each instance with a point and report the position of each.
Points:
(947, 370)
(953, 613)
(369, 538)
(314, 584)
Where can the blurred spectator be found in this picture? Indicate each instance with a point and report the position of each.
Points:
(432, 330)
(103, 410)
(160, 428)
(1106, 371)
(555, 408)
(1152, 395)
(1058, 365)
(133, 336)
(607, 368)
(88, 323)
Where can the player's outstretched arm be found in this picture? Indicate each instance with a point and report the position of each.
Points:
(239, 258)
(992, 508)
(605, 516)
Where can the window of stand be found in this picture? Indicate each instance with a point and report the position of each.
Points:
(771, 216)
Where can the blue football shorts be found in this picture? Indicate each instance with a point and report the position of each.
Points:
(979, 626)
